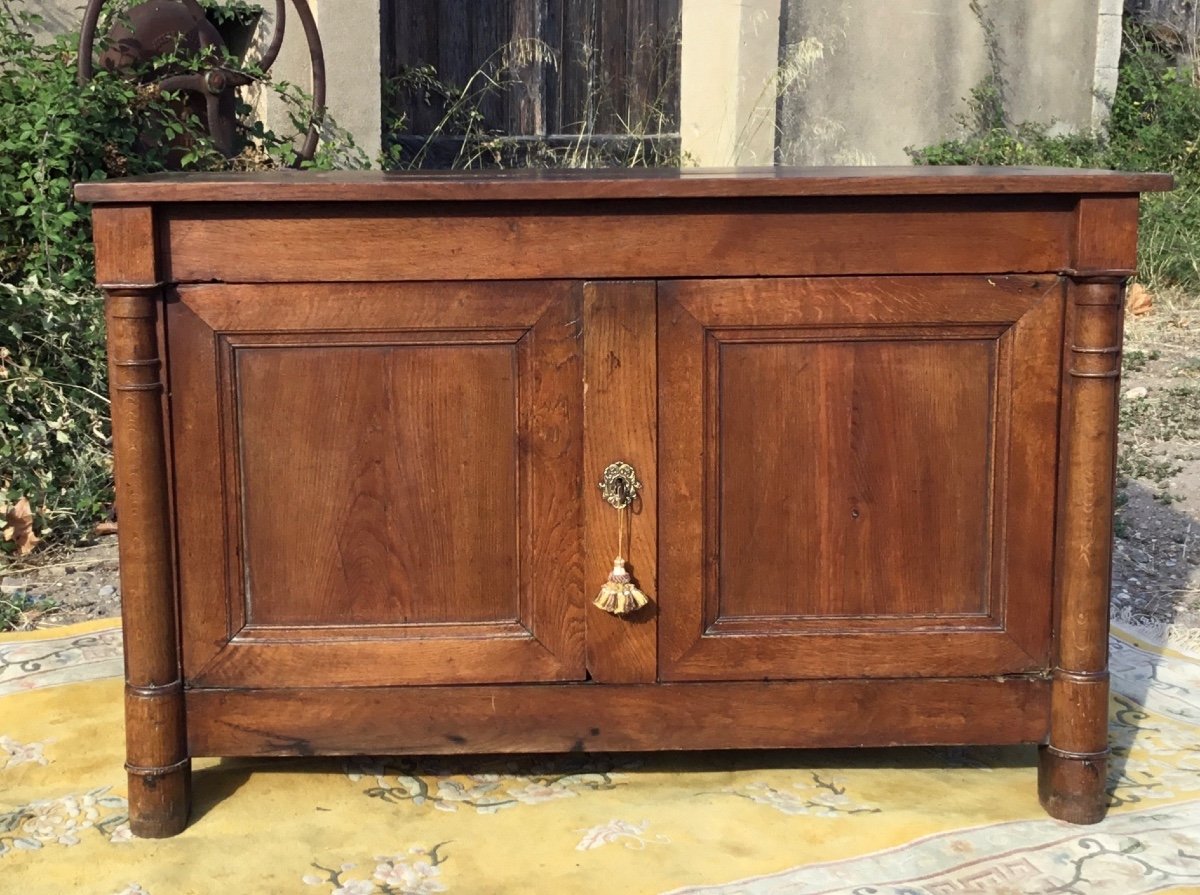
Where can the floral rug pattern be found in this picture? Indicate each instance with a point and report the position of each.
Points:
(83, 654)
(944, 821)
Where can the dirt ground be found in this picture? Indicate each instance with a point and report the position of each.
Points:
(1156, 564)
(65, 585)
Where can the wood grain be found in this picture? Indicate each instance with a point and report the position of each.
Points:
(620, 346)
(874, 411)
(156, 756)
(412, 308)
(379, 482)
(852, 501)
(365, 656)
(792, 541)
(407, 489)
(599, 240)
(617, 183)
(209, 571)
(125, 249)
(605, 717)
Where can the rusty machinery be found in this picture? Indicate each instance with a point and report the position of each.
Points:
(150, 30)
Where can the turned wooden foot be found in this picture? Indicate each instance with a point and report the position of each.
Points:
(159, 800)
(1071, 788)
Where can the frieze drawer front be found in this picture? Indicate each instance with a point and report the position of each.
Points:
(848, 434)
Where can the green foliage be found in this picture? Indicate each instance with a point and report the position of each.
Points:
(55, 133)
(53, 419)
(1155, 123)
(1154, 126)
(986, 102)
(222, 12)
(1135, 360)
(1152, 428)
(1026, 144)
(16, 610)
(336, 149)
(54, 446)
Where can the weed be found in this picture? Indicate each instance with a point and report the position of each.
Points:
(1135, 360)
(1171, 414)
(1135, 463)
(1150, 428)
(464, 138)
(16, 609)
(1120, 499)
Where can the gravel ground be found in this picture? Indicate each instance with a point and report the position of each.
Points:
(1156, 563)
(65, 586)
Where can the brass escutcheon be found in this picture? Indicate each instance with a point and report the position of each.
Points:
(620, 484)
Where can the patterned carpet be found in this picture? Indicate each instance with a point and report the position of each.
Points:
(873, 822)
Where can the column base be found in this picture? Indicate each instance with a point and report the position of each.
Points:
(1071, 788)
(160, 800)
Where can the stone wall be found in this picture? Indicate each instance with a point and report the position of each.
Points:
(800, 81)
(860, 80)
(350, 38)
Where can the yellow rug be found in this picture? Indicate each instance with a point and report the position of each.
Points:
(875, 822)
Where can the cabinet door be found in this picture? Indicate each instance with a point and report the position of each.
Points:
(857, 476)
(377, 484)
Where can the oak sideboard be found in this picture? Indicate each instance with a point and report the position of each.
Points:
(380, 437)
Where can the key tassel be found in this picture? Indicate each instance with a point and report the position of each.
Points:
(619, 595)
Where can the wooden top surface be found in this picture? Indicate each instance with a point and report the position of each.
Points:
(619, 183)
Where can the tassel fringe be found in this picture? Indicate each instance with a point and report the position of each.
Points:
(619, 595)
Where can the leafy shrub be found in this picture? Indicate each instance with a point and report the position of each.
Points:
(1154, 126)
(231, 11)
(54, 443)
(54, 446)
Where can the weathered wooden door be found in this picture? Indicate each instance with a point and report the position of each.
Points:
(856, 476)
(605, 69)
(378, 484)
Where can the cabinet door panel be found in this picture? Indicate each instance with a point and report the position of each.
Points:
(398, 474)
(857, 476)
(843, 496)
(346, 452)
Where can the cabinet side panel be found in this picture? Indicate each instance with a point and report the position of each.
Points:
(205, 534)
(126, 253)
(1106, 230)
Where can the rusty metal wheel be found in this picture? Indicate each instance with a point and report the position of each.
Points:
(150, 29)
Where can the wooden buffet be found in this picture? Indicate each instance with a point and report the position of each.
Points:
(360, 419)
